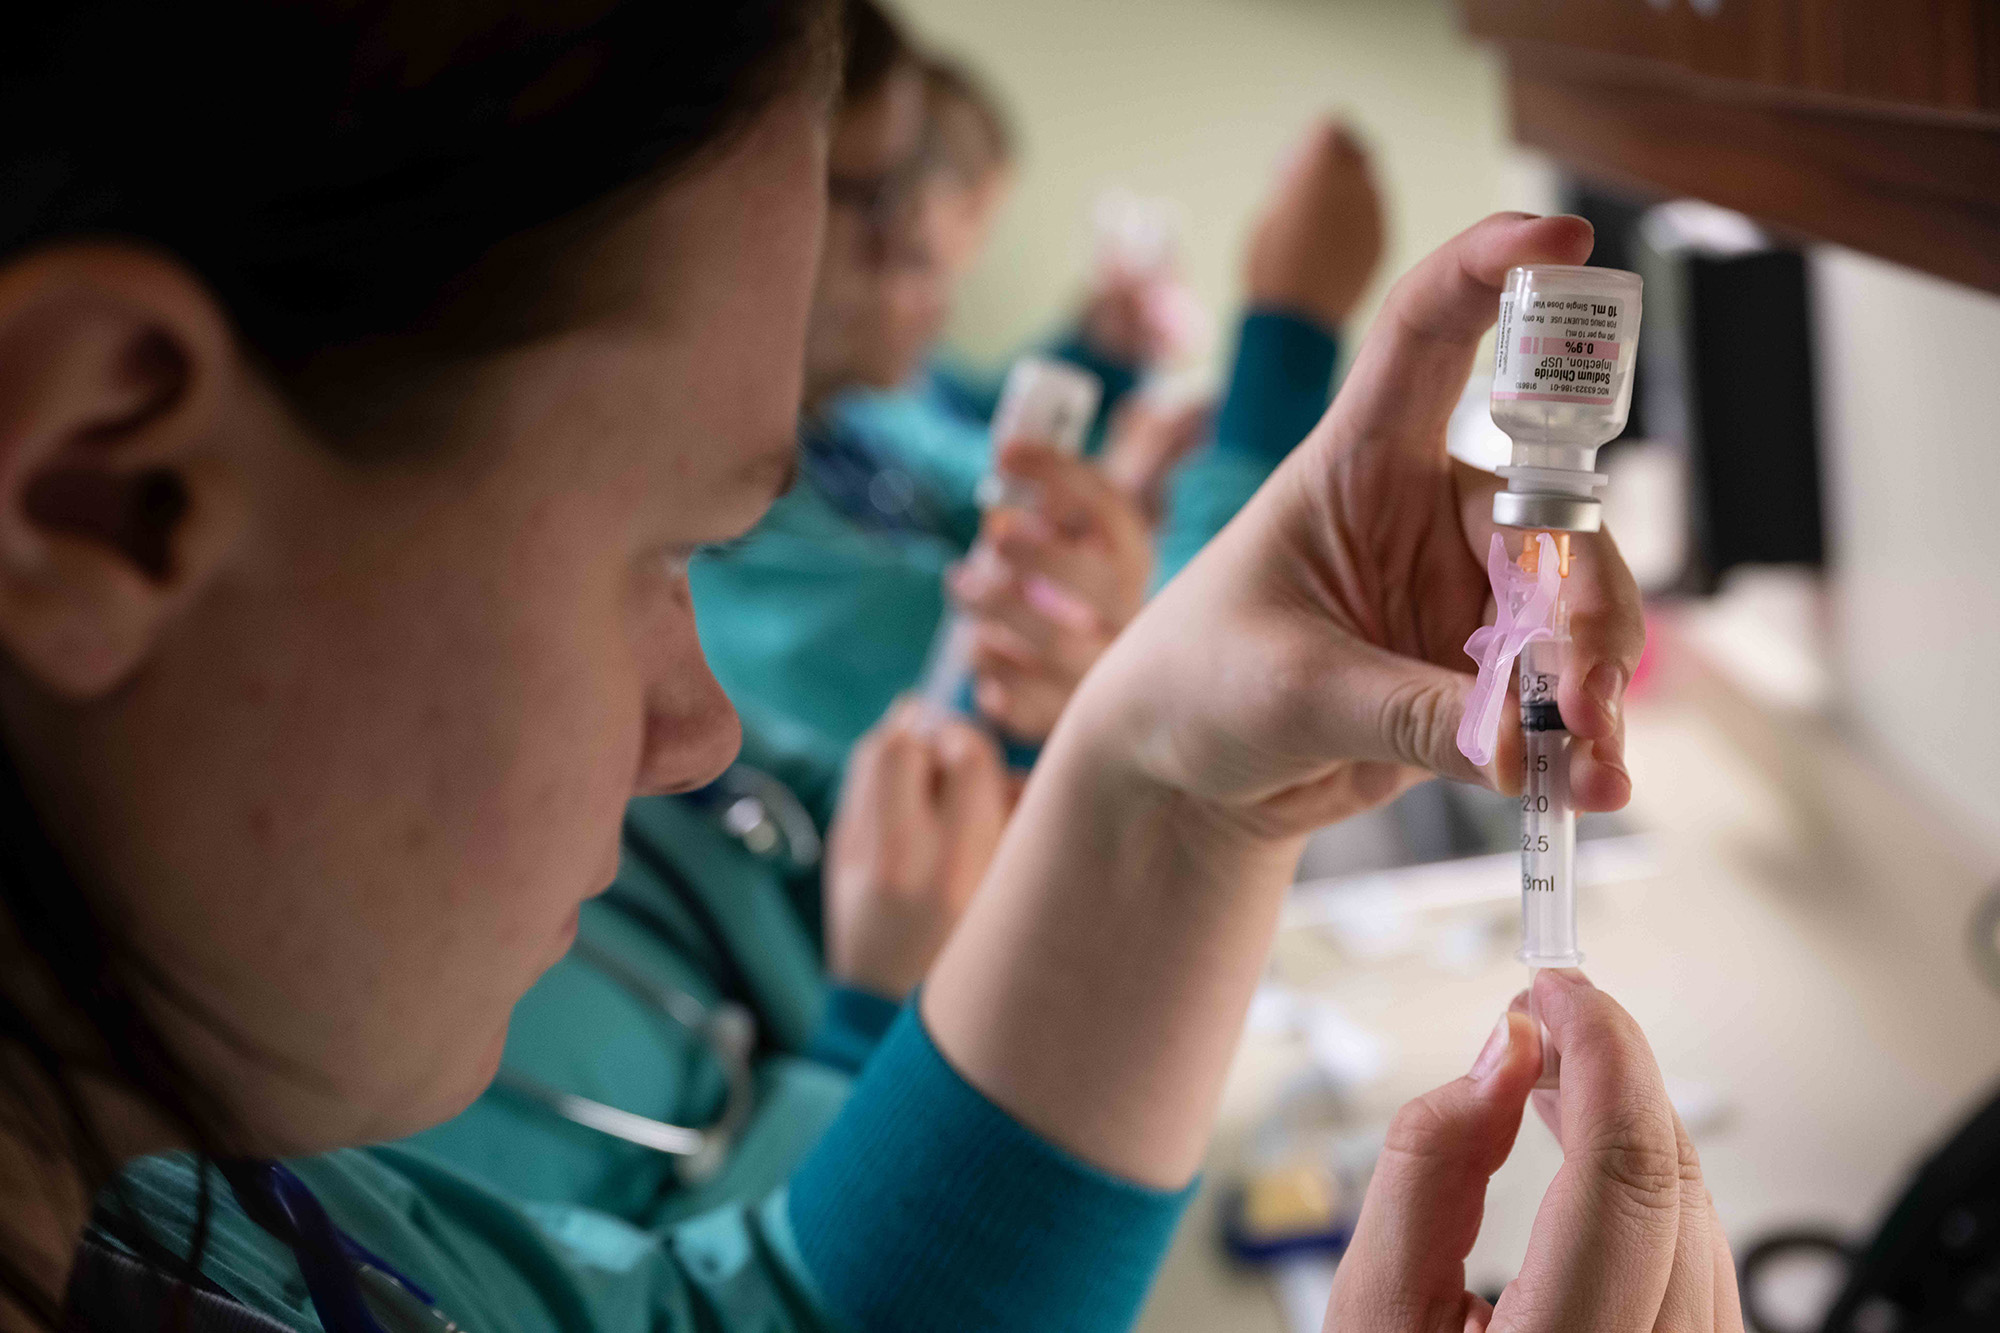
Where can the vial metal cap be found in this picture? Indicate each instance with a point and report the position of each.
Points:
(1560, 513)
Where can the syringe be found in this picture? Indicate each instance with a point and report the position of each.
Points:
(1548, 821)
(1045, 400)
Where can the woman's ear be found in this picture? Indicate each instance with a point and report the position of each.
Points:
(115, 503)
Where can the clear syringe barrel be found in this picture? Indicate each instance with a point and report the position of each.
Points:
(1548, 821)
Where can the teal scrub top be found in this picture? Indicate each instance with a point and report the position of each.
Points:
(821, 620)
(923, 1206)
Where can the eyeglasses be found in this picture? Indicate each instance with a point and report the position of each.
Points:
(890, 204)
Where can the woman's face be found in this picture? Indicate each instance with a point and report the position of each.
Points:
(881, 291)
(357, 776)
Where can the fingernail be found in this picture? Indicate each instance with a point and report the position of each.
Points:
(1605, 688)
(1058, 604)
(1494, 1053)
(1519, 1004)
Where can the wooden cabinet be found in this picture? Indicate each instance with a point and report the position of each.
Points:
(1871, 123)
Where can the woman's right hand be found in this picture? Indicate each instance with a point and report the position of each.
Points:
(1627, 1236)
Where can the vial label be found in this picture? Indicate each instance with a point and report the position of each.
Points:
(1557, 349)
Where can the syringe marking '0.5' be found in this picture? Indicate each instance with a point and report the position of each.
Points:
(1548, 823)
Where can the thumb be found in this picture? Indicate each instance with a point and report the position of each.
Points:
(1406, 1266)
(1406, 711)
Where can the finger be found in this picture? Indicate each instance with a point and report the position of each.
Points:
(1086, 569)
(1598, 778)
(997, 650)
(904, 821)
(1405, 1267)
(1607, 629)
(1728, 1299)
(1689, 1305)
(1006, 606)
(1413, 365)
(1403, 711)
(1604, 1242)
(1070, 492)
(857, 787)
(973, 799)
(1023, 705)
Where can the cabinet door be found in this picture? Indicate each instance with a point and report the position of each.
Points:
(1933, 56)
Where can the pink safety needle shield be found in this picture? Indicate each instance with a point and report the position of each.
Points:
(1524, 604)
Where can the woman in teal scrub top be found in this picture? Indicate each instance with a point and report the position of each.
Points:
(360, 406)
(828, 610)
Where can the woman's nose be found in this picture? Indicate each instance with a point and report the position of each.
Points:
(692, 732)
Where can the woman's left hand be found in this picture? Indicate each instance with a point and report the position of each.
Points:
(1049, 586)
(1310, 661)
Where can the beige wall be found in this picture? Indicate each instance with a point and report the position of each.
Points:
(1911, 428)
(1197, 100)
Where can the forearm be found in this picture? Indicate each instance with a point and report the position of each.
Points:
(1098, 983)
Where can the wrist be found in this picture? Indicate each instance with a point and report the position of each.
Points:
(1116, 750)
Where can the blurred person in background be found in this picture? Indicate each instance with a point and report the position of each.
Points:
(848, 575)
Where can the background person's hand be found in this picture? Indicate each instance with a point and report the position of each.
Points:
(920, 812)
(1147, 441)
(1317, 243)
(1627, 1236)
(1310, 661)
(1138, 319)
(1048, 587)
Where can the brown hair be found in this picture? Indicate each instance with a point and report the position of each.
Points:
(973, 129)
